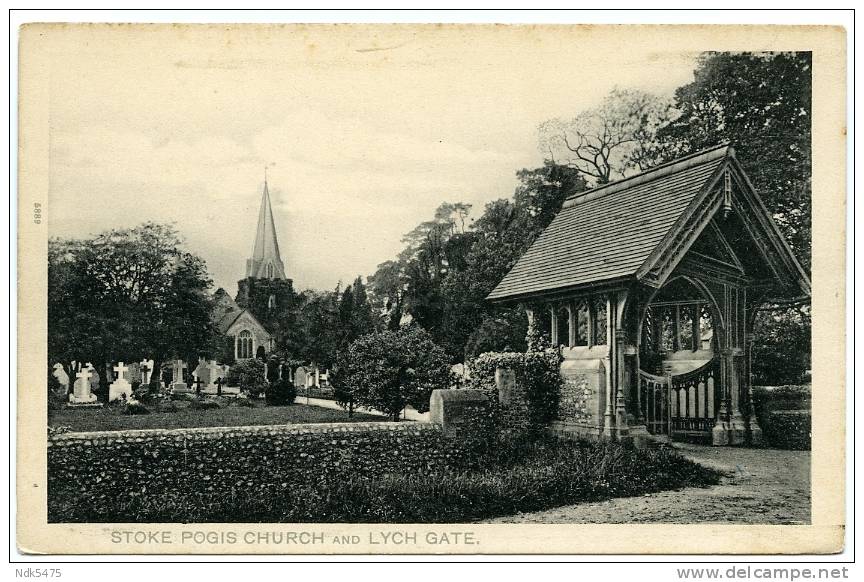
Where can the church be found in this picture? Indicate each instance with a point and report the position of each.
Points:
(249, 319)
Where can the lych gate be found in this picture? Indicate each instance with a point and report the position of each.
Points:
(650, 286)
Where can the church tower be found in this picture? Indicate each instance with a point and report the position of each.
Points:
(266, 290)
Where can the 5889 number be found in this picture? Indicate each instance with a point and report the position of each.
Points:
(37, 213)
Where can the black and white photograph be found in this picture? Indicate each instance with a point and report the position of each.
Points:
(418, 276)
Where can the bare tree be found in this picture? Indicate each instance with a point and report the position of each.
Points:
(617, 137)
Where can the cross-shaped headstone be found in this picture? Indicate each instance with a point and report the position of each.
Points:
(198, 382)
(219, 382)
(121, 371)
(84, 374)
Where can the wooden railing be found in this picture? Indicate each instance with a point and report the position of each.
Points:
(685, 404)
(654, 402)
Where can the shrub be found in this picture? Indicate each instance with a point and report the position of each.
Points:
(249, 376)
(133, 407)
(391, 369)
(783, 413)
(280, 393)
(56, 394)
(244, 402)
(788, 429)
(537, 372)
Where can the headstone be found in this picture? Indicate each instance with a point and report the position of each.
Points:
(146, 371)
(120, 388)
(198, 383)
(178, 386)
(300, 377)
(202, 372)
(457, 411)
(61, 376)
(82, 395)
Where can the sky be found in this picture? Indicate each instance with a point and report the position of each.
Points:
(365, 130)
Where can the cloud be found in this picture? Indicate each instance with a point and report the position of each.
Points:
(364, 145)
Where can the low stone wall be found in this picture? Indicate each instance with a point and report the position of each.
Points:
(97, 465)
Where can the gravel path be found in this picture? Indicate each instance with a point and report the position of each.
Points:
(766, 486)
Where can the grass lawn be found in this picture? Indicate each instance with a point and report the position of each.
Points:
(182, 415)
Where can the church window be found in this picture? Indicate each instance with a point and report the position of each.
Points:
(269, 270)
(244, 345)
(271, 302)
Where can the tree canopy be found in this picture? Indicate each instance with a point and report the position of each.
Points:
(124, 294)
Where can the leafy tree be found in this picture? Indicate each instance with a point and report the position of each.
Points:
(280, 393)
(781, 347)
(126, 293)
(389, 370)
(760, 102)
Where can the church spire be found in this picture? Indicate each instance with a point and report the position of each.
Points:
(266, 263)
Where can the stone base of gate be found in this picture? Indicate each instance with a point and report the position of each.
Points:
(729, 433)
(637, 435)
(755, 434)
(575, 430)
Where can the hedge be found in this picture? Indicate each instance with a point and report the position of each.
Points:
(381, 472)
(783, 413)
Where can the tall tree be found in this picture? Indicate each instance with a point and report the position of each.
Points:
(126, 294)
(606, 142)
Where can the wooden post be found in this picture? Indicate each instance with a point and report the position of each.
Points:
(553, 327)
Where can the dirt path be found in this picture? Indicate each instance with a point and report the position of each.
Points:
(762, 486)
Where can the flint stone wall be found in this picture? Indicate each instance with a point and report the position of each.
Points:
(269, 459)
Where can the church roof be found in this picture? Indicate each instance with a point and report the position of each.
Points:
(637, 227)
(266, 249)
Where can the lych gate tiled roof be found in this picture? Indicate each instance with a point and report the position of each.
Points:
(609, 232)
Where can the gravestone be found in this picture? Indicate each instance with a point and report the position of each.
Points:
(457, 411)
(81, 394)
(61, 376)
(120, 388)
(198, 383)
(300, 377)
(202, 372)
(178, 386)
(146, 367)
